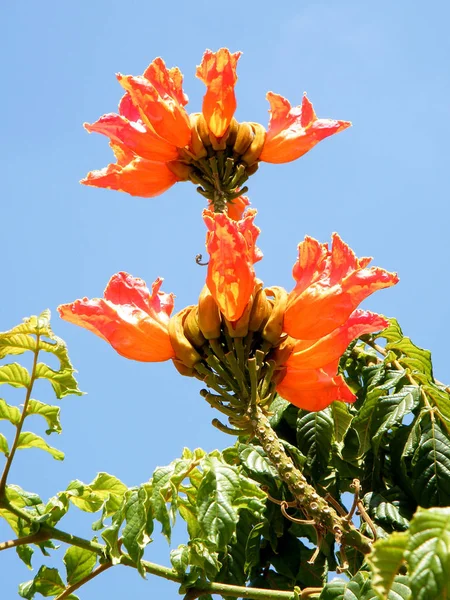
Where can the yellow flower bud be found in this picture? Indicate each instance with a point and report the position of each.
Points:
(182, 347)
(209, 318)
(274, 326)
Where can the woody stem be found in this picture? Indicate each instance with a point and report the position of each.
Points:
(315, 507)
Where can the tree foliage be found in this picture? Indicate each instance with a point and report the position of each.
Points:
(390, 451)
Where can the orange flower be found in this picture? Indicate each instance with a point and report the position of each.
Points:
(131, 174)
(314, 389)
(330, 285)
(311, 381)
(133, 320)
(218, 73)
(157, 98)
(163, 144)
(128, 129)
(232, 249)
(313, 354)
(294, 131)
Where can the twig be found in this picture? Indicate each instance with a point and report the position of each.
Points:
(34, 538)
(21, 422)
(72, 588)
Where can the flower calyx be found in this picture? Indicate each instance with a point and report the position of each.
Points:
(238, 361)
(221, 165)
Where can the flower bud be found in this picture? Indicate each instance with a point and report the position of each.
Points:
(283, 351)
(182, 347)
(192, 330)
(261, 309)
(197, 145)
(254, 150)
(239, 328)
(180, 169)
(244, 138)
(231, 132)
(274, 326)
(209, 318)
(182, 368)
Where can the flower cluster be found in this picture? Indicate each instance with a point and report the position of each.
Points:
(246, 342)
(157, 143)
(300, 336)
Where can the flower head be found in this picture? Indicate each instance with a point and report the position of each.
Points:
(218, 73)
(134, 321)
(311, 380)
(330, 285)
(232, 248)
(163, 144)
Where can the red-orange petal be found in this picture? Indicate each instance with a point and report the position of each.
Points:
(232, 249)
(294, 131)
(314, 389)
(133, 175)
(330, 285)
(135, 136)
(167, 82)
(129, 317)
(313, 354)
(218, 72)
(237, 207)
(163, 113)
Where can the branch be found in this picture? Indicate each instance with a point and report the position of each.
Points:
(72, 588)
(21, 422)
(234, 591)
(34, 538)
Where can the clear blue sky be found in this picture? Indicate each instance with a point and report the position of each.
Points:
(383, 185)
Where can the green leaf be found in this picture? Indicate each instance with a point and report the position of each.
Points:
(256, 463)
(25, 554)
(105, 491)
(9, 413)
(63, 382)
(386, 559)
(133, 535)
(165, 483)
(339, 589)
(217, 492)
(411, 356)
(13, 345)
(253, 547)
(179, 557)
(50, 414)
(391, 410)
(428, 554)
(15, 375)
(314, 434)
(31, 440)
(79, 563)
(342, 418)
(33, 325)
(4, 448)
(277, 409)
(47, 582)
(390, 508)
(431, 465)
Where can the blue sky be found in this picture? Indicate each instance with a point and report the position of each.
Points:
(383, 185)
